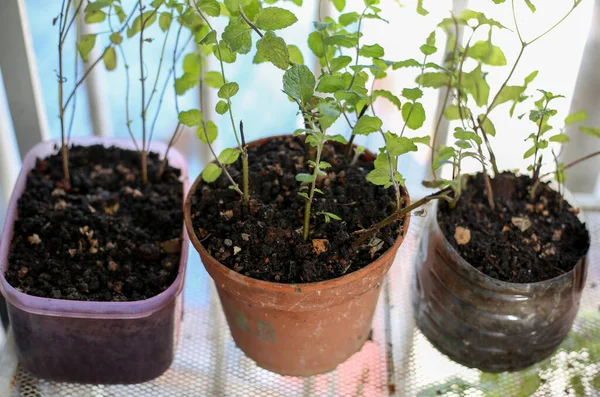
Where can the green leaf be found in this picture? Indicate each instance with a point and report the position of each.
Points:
(413, 114)
(349, 18)
(191, 65)
(110, 58)
(595, 132)
(97, 5)
(232, 6)
(339, 4)
(595, 382)
(399, 145)
(387, 95)
(274, 18)
(488, 126)
(299, 83)
(190, 117)
(86, 45)
(120, 13)
(530, 152)
(444, 154)
(211, 132)
(214, 79)
(423, 140)
(338, 138)
(412, 94)
(531, 77)
(577, 384)
(475, 84)
(223, 53)
(333, 216)
(185, 83)
(427, 49)
(576, 117)
(366, 125)
(486, 52)
(372, 51)
(330, 84)
(146, 19)
(295, 54)
(380, 177)
(420, 9)
(116, 38)
(409, 63)
(530, 5)
(210, 7)
(561, 138)
(315, 43)
(340, 62)
(211, 173)
(306, 178)
(509, 93)
(164, 21)
(229, 156)
(238, 36)
(274, 49)
(459, 133)
(210, 38)
(433, 80)
(222, 107)
(228, 90)
(321, 26)
(329, 109)
(340, 40)
(95, 16)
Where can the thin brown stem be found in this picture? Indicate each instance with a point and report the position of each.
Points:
(245, 18)
(163, 163)
(398, 214)
(245, 173)
(143, 88)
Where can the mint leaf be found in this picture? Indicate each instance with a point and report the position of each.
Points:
(433, 80)
(229, 156)
(315, 43)
(110, 58)
(213, 79)
(459, 133)
(576, 117)
(488, 126)
(413, 115)
(380, 177)
(530, 5)
(223, 53)
(420, 9)
(191, 65)
(211, 173)
(486, 52)
(399, 145)
(427, 49)
(210, 7)
(339, 4)
(299, 83)
(366, 125)
(339, 63)
(116, 38)
(274, 49)
(349, 18)
(237, 35)
(595, 132)
(190, 118)
(340, 40)
(306, 178)
(561, 138)
(86, 45)
(185, 83)
(274, 18)
(330, 84)
(228, 90)
(210, 38)
(387, 95)
(164, 21)
(222, 107)
(475, 84)
(412, 94)
(210, 134)
(321, 26)
(372, 51)
(295, 54)
(409, 63)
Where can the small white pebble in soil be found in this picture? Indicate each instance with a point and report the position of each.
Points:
(137, 194)
(462, 235)
(228, 242)
(245, 237)
(236, 250)
(522, 223)
(23, 272)
(112, 266)
(72, 252)
(61, 205)
(34, 239)
(58, 192)
(110, 245)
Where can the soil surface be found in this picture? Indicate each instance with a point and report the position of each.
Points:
(521, 241)
(107, 237)
(267, 242)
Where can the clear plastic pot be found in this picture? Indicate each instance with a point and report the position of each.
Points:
(483, 322)
(93, 342)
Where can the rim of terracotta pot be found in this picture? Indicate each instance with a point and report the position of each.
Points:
(283, 287)
(88, 309)
(478, 276)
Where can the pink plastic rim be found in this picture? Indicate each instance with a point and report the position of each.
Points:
(68, 308)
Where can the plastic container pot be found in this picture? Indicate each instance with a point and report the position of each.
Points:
(483, 322)
(93, 342)
(297, 329)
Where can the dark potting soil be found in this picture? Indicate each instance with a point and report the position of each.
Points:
(267, 243)
(521, 241)
(106, 238)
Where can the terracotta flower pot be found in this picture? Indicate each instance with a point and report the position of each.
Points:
(483, 322)
(297, 329)
(93, 342)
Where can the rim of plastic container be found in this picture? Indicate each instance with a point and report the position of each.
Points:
(87, 309)
(522, 287)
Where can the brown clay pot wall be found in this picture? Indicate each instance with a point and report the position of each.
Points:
(298, 329)
(486, 323)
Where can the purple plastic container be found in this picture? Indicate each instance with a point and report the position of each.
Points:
(93, 342)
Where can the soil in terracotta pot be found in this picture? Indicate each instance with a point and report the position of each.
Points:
(267, 242)
(107, 237)
(521, 241)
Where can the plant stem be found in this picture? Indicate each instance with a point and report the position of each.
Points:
(360, 19)
(307, 208)
(64, 146)
(143, 87)
(163, 163)
(246, 178)
(245, 18)
(442, 194)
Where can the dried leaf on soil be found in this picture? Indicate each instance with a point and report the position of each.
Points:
(522, 223)
(319, 246)
(172, 246)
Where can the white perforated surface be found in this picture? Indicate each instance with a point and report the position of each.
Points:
(399, 361)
